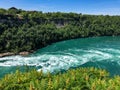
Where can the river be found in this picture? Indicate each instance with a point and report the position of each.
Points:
(100, 52)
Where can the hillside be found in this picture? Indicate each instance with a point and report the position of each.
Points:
(22, 30)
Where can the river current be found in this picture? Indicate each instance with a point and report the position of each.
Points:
(100, 52)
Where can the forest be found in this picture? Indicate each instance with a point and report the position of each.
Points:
(22, 30)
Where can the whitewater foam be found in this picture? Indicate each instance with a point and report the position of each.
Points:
(57, 60)
(53, 61)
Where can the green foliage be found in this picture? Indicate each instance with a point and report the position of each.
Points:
(30, 30)
(74, 79)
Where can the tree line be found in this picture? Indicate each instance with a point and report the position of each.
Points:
(22, 30)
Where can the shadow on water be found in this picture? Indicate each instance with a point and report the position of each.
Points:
(112, 67)
(9, 70)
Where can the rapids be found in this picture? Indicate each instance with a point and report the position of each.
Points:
(100, 52)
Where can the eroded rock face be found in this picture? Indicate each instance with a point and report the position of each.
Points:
(6, 54)
(24, 53)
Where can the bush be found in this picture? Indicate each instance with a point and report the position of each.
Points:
(74, 79)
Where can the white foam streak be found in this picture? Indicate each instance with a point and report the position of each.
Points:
(56, 61)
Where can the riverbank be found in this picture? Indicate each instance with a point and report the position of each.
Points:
(23, 53)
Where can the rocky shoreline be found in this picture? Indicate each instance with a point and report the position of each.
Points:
(24, 53)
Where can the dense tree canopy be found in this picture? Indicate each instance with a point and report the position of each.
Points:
(22, 30)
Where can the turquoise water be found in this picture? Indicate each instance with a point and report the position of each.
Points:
(100, 52)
